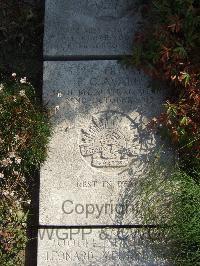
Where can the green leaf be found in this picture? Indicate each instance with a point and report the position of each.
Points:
(184, 121)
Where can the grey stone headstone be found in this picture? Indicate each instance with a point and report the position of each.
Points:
(89, 28)
(92, 247)
(101, 144)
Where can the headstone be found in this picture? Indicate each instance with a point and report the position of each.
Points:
(89, 28)
(89, 211)
(63, 247)
(101, 143)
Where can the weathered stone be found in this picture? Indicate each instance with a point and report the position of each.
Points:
(100, 146)
(62, 247)
(82, 27)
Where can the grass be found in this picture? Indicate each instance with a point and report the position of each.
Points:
(171, 199)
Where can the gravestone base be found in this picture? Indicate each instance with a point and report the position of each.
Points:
(62, 247)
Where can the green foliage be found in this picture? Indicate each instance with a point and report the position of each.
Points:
(167, 48)
(172, 200)
(24, 126)
(12, 230)
(24, 135)
(185, 229)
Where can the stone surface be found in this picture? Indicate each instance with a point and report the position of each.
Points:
(100, 145)
(82, 27)
(62, 247)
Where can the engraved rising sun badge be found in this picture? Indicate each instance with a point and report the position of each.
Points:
(109, 141)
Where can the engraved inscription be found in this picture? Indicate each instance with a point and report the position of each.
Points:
(107, 141)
